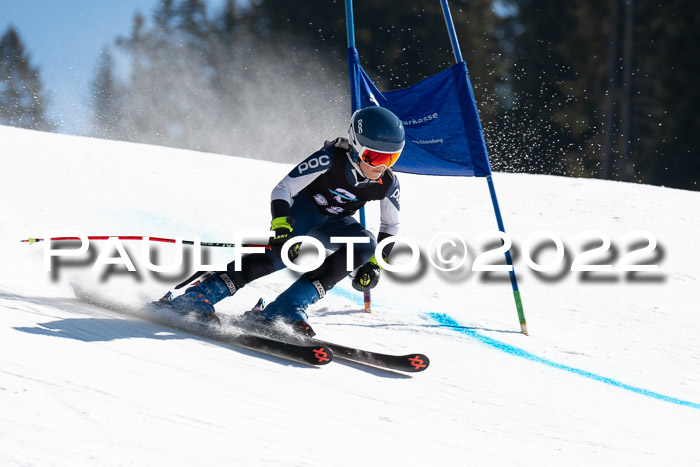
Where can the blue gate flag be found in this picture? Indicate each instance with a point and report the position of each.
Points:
(443, 130)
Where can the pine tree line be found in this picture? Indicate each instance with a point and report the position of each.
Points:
(593, 88)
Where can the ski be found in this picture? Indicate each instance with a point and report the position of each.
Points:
(312, 354)
(411, 363)
(305, 349)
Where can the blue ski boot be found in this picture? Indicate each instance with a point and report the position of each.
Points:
(201, 297)
(290, 306)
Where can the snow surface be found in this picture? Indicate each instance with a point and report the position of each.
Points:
(608, 376)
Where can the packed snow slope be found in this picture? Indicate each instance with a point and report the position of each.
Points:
(610, 374)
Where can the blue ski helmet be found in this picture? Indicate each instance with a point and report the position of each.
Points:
(376, 136)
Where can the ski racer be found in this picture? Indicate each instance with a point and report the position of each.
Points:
(318, 198)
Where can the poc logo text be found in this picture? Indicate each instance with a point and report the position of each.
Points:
(314, 163)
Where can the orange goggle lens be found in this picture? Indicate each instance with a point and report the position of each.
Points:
(377, 159)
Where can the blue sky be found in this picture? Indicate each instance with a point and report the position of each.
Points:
(64, 39)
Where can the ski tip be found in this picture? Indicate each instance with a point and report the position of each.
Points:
(322, 355)
(418, 362)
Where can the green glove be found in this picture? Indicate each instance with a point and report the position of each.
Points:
(282, 227)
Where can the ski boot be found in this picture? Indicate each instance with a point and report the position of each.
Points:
(200, 297)
(290, 307)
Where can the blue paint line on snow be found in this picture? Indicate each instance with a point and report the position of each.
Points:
(350, 295)
(518, 352)
(449, 322)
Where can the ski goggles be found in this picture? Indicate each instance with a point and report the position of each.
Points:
(378, 158)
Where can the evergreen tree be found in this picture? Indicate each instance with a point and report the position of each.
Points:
(530, 137)
(399, 42)
(22, 99)
(665, 141)
(560, 62)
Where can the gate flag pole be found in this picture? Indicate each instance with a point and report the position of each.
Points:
(355, 104)
(489, 180)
